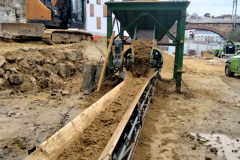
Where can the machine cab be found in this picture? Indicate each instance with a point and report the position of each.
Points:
(56, 13)
(77, 14)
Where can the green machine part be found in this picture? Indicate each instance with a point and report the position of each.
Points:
(217, 51)
(151, 56)
(159, 16)
(229, 42)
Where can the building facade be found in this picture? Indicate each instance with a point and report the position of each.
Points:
(96, 17)
(201, 35)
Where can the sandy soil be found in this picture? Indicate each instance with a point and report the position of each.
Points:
(176, 125)
(90, 144)
(32, 67)
(182, 126)
(29, 120)
(32, 111)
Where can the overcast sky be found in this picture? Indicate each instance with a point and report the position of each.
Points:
(215, 7)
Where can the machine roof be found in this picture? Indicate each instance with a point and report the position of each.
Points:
(165, 12)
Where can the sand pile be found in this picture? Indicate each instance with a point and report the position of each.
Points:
(142, 49)
(141, 66)
(168, 63)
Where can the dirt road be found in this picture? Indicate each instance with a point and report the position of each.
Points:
(206, 126)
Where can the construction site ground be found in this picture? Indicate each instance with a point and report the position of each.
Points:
(202, 123)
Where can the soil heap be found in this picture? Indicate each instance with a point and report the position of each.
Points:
(32, 68)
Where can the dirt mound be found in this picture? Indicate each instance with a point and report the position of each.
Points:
(142, 49)
(38, 67)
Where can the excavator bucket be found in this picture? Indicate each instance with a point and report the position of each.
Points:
(21, 30)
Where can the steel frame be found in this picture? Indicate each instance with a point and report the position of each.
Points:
(178, 41)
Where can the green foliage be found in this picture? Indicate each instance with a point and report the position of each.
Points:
(235, 35)
(207, 15)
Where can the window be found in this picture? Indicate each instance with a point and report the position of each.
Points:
(91, 10)
(104, 10)
(98, 22)
(77, 11)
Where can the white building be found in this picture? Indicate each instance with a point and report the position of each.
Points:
(189, 33)
(207, 36)
(96, 17)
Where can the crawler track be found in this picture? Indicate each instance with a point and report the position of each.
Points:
(56, 36)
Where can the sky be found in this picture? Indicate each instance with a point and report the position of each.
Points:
(215, 7)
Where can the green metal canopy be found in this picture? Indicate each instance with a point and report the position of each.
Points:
(162, 14)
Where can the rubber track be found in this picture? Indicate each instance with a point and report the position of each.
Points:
(47, 37)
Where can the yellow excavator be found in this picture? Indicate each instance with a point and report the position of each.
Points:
(49, 20)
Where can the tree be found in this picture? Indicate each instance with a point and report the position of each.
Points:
(195, 15)
(207, 15)
(234, 35)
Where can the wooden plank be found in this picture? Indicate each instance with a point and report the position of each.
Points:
(98, 22)
(107, 152)
(91, 10)
(106, 61)
(104, 10)
(54, 146)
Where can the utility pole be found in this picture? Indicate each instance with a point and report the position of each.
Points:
(235, 14)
